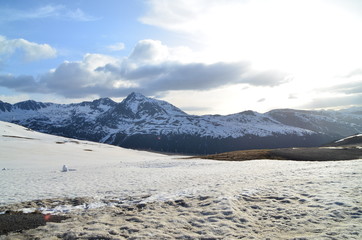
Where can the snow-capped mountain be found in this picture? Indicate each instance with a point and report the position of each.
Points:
(336, 124)
(145, 123)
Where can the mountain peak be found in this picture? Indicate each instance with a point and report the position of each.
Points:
(135, 96)
(137, 105)
(134, 100)
(147, 123)
(5, 107)
(30, 105)
(104, 101)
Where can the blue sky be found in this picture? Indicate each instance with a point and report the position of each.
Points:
(73, 28)
(204, 56)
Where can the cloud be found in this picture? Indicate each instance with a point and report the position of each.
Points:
(116, 47)
(14, 98)
(350, 87)
(20, 83)
(149, 50)
(283, 39)
(196, 76)
(266, 78)
(183, 15)
(339, 95)
(356, 72)
(80, 79)
(335, 101)
(152, 65)
(31, 51)
(78, 15)
(47, 11)
(196, 109)
(150, 69)
(293, 96)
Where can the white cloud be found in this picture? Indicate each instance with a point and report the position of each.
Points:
(300, 37)
(149, 51)
(299, 46)
(116, 47)
(31, 51)
(47, 11)
(78, 15)
(154, 51)
(14, 98)
(182, 15)
(150, 69)
(335, 101)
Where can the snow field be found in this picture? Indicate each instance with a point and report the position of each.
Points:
(180, 198)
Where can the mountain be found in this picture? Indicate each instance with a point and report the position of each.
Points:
(351, 141)
(335, 124)
(145, 123)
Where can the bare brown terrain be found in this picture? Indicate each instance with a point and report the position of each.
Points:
(345, 149)
(297, 154)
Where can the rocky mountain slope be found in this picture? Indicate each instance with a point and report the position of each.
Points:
(145, 123)
(351, 141)
(335, 124)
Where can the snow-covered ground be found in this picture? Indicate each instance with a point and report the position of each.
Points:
(263, 198)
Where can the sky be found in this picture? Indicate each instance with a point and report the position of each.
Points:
(203, 56)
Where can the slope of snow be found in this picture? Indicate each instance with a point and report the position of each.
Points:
(24, 148)
(256, 199)
(31, 164)
(182, 198)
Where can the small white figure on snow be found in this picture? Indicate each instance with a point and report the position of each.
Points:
(65, 168)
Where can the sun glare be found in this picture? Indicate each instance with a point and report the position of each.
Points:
(296, 37)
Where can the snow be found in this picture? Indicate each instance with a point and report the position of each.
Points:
(33, 164)
(29, 149)
(322, 121)
(209, 126)
(135, 100)
(344, 139)
(168, 120)
(257, 199)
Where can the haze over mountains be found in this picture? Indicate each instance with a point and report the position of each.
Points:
(145, 123)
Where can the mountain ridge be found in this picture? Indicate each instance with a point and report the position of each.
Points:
(146, 123)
